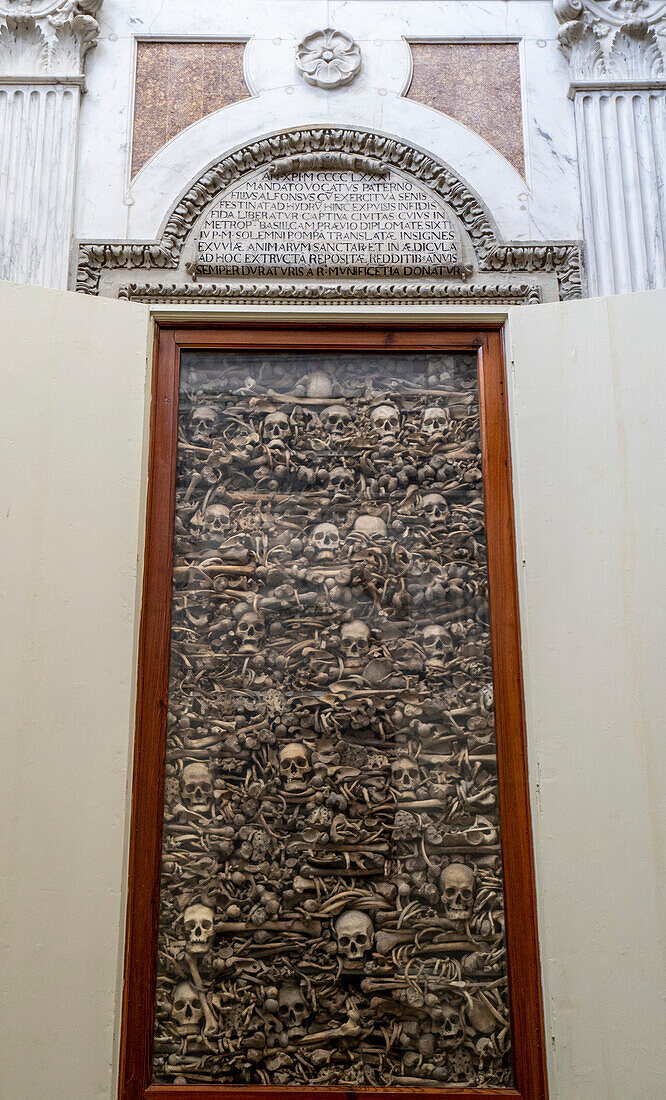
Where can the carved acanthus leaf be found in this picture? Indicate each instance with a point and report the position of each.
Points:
(41, 38)
(617, 41)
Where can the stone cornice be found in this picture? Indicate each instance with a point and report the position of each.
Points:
(44, 39)
(614, 41)
(342, 293)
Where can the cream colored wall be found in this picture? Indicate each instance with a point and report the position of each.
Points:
(589, 429)
(72, 408)
(588, 389)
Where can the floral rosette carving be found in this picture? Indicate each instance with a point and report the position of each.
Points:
(328, 58)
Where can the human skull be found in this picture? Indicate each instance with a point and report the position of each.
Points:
(196, 786)
(355, 639)
(371, 527)
(186, 1009)
(336, 419)
(436, 642)
(355, 933)
(292, 1008)
(326, 540)
(435, 507)
(198, 920)
(449, 1026)
(215, 521)
(276, 427)
(341, 480)
(386, 421)
(250, 632)
(203, 423)
(456, 884)
(294, 761)
(404, 775)
(318, 385)
(435, 419)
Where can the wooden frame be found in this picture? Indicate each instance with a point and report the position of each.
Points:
(149, 758)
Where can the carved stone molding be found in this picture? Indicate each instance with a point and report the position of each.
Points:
(328, 162)
(514, 293)
(336, 148)
(328, 59)
(46, 39)
(617, 41)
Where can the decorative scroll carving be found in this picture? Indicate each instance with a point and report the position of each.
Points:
(517, 293)
(328, 59)
(565, 259)
(385, 153)
(327, 162)
(41, 38)
(331, 907)
(624, 40)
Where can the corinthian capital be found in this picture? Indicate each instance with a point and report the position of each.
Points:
(46, 38)
(618, 40)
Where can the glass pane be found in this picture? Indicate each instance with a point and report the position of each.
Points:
(331, 901)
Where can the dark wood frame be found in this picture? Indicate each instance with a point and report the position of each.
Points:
(486, 340)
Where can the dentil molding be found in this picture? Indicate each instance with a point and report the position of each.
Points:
(46, 40)
(614, 42)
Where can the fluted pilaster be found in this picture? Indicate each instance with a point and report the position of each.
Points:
(617, 57)
(43, 46)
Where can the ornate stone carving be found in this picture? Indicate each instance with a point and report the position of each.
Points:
(492, 253)
(327, 162)
(513, 293)
(328, 59)
(624, 40)
(46, 38)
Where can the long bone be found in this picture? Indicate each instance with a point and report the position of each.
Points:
(350, 1029)
(211, 1022)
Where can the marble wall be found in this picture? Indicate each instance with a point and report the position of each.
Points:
(541, 205)
(550, 111)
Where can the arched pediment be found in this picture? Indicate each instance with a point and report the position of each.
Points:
(327, 149)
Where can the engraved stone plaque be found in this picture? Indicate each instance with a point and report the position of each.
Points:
(327, 223)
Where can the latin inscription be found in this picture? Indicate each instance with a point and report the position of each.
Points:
(327, 224)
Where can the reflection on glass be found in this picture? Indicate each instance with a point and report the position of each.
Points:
(331, 907)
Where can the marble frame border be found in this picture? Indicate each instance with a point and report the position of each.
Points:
(333, 147)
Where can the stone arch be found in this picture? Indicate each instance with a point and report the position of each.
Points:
(332, 147)
(298, 150)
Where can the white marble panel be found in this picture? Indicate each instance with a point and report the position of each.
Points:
(545, 206)
(385, 64)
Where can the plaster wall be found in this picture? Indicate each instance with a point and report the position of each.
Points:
(587, 396)
(73, 412)
(544, 206)
(588, 407)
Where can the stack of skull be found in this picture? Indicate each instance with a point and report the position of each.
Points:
(331, 860)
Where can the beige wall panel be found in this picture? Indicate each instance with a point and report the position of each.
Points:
(73, 401)
(588, 391)
(589, 409)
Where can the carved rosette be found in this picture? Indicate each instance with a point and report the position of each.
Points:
(328, 59)
(46, 38)
(621, 41)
